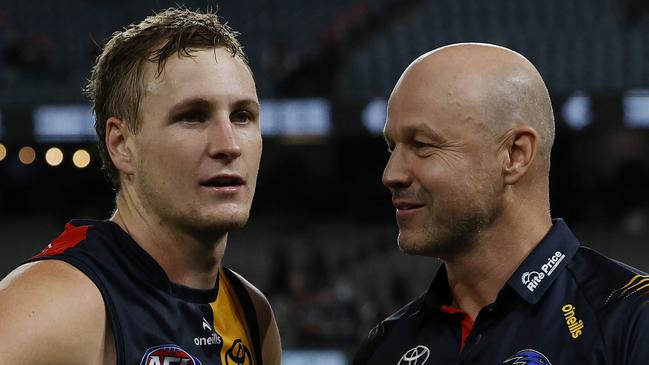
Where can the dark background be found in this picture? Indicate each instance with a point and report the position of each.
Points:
(321, 241)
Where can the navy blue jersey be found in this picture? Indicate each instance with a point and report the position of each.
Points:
(565, 304)
(155, 321)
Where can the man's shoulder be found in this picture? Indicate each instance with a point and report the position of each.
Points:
(77, 234)
(258, 301)
(49, 280)
(258, 298)
(50, 313)
(266, 330)
(612, 287)
(618, 294)
(382, 330)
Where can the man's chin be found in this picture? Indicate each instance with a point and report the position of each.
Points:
(228, 223)
(219, 224)
(424, 245)
(413, 245)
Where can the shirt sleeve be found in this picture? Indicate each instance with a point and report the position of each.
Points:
(368, 346)
(637, 347)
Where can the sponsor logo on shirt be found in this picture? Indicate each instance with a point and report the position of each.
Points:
(212, 339)
(527, 357)
(206, 325)
(532, 279)
(574, 326)
(415, 356)
(168, 355)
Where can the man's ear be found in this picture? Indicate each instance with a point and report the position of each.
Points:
(522, 147)
(118, 143)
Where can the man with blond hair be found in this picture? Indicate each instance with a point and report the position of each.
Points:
(177, 120)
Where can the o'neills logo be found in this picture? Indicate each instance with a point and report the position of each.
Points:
(532, 279)
(206, 341)
(574, 326)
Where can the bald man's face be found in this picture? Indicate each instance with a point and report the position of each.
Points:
(443, 173)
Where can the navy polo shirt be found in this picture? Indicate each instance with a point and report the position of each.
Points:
(565, 304)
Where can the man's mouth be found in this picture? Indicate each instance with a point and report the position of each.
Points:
(223, 181)
(406, 205)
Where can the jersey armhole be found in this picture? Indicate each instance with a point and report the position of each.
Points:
(249, 310)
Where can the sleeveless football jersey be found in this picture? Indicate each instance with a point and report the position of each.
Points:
(155, 321)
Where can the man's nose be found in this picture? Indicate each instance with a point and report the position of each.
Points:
(223, 141)
(396, 174)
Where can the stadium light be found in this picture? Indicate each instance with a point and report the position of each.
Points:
(3, 152)
(374, 115)
(576, 110)
(54, 156)
(296, 117)
(81, 158)
(636, 108)
(27, 155)
(64, 123)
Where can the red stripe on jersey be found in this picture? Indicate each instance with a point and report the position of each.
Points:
(70, 237)
(466, 325)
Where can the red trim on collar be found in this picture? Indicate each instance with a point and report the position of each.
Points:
(466, 324)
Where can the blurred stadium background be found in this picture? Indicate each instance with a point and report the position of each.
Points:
(321, 241)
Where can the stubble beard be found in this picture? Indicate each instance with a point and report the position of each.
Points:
(455, 227)
(187, 217)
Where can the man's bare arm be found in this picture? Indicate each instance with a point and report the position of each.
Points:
(51, 313)
(270, 340)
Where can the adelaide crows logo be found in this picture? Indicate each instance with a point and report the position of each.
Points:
(528, 357)
(238, 354)
(168, 354)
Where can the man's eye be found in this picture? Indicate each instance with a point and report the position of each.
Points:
(241, 117)
(422, 148)
(192, 117)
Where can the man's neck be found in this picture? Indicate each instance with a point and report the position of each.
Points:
(185, 259)
(476, 277)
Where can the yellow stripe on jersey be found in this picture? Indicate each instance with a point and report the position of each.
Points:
(230, 324)
(635, 285)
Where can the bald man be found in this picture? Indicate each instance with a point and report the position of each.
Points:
(470, 128)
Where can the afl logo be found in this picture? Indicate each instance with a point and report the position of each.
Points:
(238, 354)
(415, 356)
(168, 355)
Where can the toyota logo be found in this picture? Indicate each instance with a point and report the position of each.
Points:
(415, 356)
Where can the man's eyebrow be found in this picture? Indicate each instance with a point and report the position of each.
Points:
(247, 103)
(425, 128)
(190, 103)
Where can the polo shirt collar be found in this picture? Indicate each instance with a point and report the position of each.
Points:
(532, 278)
(545, 263)
(439, 292)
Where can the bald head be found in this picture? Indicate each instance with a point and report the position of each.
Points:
(494, 88)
